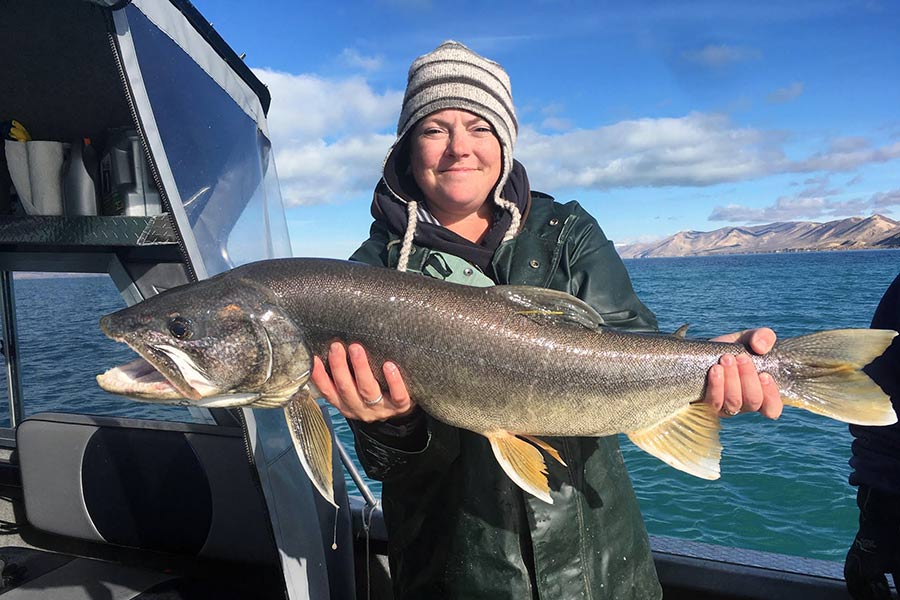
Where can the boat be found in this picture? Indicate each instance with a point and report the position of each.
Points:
(111, 507)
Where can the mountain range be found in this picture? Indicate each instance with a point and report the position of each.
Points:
(855, 233)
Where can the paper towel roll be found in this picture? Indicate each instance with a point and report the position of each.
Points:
(45, 168)
(17, 163)
(36, 170)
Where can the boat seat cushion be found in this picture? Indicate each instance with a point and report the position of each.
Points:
(157, 485)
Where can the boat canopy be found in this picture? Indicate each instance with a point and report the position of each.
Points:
(205, 125)
(156, 72)
(203, 116)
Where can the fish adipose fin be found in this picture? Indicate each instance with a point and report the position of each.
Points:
(549, 307)
(687, 440)
(522, 462)
(827, 367)
(312, 440)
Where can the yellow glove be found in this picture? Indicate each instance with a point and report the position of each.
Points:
(13, 130)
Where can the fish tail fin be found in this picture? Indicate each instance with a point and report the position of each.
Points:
(687, 440)
(521, 462)
(312, 441)
(826, 368)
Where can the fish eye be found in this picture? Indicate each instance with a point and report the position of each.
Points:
(180, 328)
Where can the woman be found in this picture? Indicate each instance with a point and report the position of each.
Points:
(453, 204)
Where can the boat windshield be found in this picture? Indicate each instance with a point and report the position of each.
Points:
(219, 157)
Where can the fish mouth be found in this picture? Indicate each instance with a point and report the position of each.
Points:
(163, 373)
(139, 379)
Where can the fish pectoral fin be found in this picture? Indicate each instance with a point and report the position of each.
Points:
(687, 440)
(312, 440)
(549, 307)
(522, 462)
(545, 447)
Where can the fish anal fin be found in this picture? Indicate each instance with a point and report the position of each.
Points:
(545, 447)
(687, 440)
(312, 440)
(522, 462)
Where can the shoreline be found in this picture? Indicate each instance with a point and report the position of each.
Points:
(762, 252)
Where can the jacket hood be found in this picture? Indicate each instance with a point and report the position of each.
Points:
(398, 187)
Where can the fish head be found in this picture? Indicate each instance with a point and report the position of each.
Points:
(215, 343)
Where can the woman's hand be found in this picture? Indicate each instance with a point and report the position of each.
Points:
(733, 386)
(353, 390)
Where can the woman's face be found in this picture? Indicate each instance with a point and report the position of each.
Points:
(456, 160)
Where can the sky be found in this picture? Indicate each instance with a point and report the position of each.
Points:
(658, 117)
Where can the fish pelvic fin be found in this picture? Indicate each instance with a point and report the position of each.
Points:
(312, 441)
(522, 463)
(687, 440)
(828, 376)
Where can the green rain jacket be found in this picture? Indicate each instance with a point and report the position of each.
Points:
(458, 526)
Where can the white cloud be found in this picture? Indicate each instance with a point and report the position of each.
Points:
(317, 172)
(719, 55)
(556, 124)
(847, 154)
(308, 105)
(330, 137)
(806, 207)
(353, 58)
(883, 200)
(786, 94)
(695, 150)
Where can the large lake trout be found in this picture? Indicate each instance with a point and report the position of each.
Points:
(512, 363)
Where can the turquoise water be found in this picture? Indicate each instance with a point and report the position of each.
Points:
(784, 483)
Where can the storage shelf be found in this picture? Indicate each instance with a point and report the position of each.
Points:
(142, 239)
(87, 231)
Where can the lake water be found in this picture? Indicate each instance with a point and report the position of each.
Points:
(784, 483)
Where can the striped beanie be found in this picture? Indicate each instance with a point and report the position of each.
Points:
(453, 77)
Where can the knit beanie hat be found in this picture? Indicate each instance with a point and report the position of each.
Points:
(453, 77)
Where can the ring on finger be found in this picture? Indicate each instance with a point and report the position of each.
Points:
(729, 412)
(375, 401)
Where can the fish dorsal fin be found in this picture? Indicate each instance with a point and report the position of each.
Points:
(681, 332)
(549, 307)
(522, 462)
(687, 440)
(312, 440)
